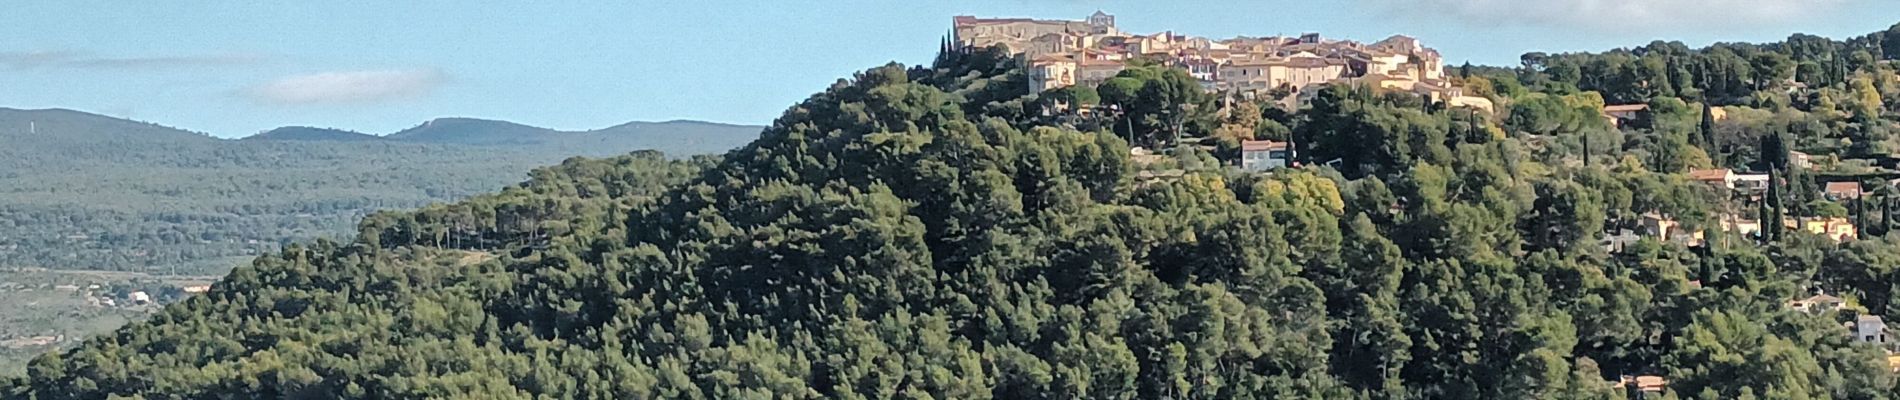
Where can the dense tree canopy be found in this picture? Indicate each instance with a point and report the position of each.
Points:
(916, 232)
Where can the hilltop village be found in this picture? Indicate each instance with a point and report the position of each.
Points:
(1287, 72)
(1057, 209)
(1088, 52)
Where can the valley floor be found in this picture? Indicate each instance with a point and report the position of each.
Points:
(43, 310)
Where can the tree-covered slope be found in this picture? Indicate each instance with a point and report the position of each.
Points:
(311, 133)
(914, 233)
(679, 137)
(27, 128)
(473, 131)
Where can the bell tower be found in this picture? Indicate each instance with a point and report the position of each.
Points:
(1101, 22)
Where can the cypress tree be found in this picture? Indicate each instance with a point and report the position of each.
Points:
(1771, 206)
(1586, 147)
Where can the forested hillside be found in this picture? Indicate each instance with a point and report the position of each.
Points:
(677, 137)
(83, 191)
(311, 133)
(929, 232)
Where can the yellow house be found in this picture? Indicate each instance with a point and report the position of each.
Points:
(1668, 229)
(1837, 228)
(1051, 72)
(1743, 226)
(1417, 60)
(1471, 102)
(1433, 90)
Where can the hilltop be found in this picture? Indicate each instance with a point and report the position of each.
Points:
(922, 233)
(312, 134)
(687, 137)
(949, 231)
(474, 131)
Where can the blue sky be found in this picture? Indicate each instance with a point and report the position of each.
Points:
(233, 68)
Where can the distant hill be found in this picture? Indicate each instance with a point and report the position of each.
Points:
(61, 125)
(686, 136)
(310, 133)
(474, 131)
(88, 191)
(680, 137)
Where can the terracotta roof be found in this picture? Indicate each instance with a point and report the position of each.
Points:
(1647, 383)
(1842, 187)
(1712, 174)
(1261, 145)
(1650, 382)
(1625, 107)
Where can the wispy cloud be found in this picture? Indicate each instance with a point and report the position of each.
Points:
(80, 60)
(1616, 14)
(344, 87)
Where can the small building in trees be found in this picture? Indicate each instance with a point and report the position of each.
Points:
(1623, 239)
(1643, 385)
(1668, 229)
(1838, 191)
(1619, 114)
(1800, 160)
(1869, 329)
(1142, 156)
(1730, 179)
(1262, 155)
(1818, 303)
(1745, 227)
